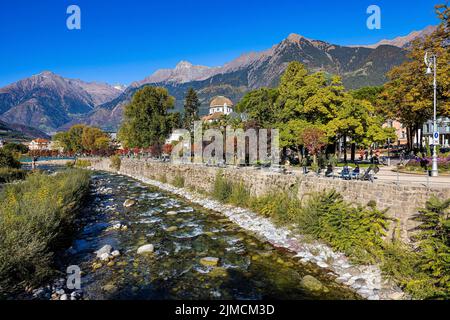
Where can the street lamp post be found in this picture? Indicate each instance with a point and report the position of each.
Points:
(431, 64)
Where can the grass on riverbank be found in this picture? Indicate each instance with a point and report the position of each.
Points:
(360, 233)
(36, 220)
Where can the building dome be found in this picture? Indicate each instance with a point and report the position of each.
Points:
(221, 101)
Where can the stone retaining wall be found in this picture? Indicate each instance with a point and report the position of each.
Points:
(402, 201)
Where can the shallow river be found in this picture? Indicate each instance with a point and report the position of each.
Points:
(248, 268)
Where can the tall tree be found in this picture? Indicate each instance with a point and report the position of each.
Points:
(191, 108)
(75, 138)
(146, 118)
(370, 94)
(408, 96)
(91, 138)
(260, 105)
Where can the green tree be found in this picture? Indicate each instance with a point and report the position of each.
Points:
(261, 106)
(291, 134)
(7, 160)
(90, 136)
(15, 148)
(146, 118)
(191, 107)
(408, 95)
(175, 121)
(75, 138)
(370, 94)
(102, 143)
(63, 140)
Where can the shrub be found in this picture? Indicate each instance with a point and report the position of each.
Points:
(8, 175)
(433, 242)
(15, 148)
(178, 181)
(7, 160)
(116, 162)
(222, 188)
(37, 219)
(163, 178)
(277, 205)
(80, 163)
(239, 196)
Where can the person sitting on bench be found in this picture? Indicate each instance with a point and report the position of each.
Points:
(345, 174)
(356, 172)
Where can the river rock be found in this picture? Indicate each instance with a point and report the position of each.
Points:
(105, 249)
(218, 273)
(96, 266)
(105, 256)
(172, 229)
(109, 288)
(115, 253)
(172, 213)
(118, 227)
(209, 261)
(129, 203)
(397, 296)
(148, 248)
(312, 284)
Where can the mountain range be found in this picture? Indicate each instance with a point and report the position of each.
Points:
(50, 102)
(19, 132)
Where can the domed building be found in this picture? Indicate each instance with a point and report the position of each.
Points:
(218, 107)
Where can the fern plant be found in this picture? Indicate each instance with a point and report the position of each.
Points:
(433, 241)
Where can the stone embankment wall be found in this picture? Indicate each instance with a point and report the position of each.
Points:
(402, 201)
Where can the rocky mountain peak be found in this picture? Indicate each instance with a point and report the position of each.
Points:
(184, 65)
(403, 41)
(296, 38)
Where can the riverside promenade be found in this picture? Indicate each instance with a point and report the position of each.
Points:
(388, 175)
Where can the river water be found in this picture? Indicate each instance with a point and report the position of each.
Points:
(248, 268)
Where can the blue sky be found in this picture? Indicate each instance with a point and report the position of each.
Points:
(124, 41)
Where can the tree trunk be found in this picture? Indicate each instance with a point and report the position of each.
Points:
(409, 137)
(353, 152)
(345, 148)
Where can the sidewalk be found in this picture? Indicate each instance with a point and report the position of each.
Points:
(386, 175)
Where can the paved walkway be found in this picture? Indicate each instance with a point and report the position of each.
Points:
(387, 175)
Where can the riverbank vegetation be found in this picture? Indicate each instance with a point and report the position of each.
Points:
(37, 219)
(8, 175)
(10, 166)
(178, 181)
(422, 270)
(115, 162)
(82, 163)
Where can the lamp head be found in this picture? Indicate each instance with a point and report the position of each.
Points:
(429, 71)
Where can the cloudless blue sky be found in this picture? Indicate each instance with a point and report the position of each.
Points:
(125, 41)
